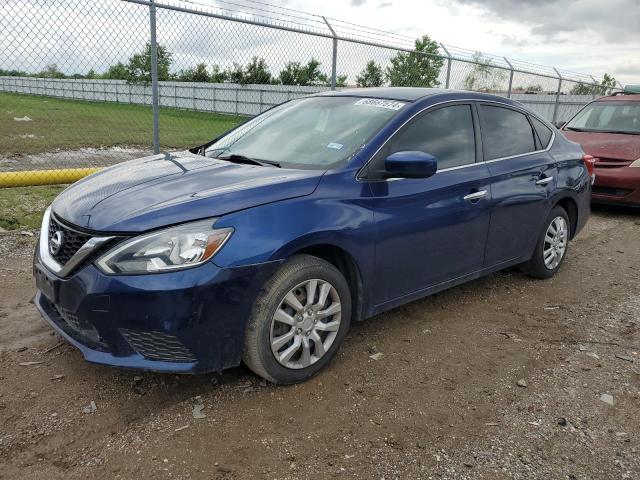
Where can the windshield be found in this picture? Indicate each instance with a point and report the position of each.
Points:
(608, 117)
(311, 133)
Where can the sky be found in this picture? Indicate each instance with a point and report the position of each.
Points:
(588, 36)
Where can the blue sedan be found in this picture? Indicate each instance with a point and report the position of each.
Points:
(264, 244)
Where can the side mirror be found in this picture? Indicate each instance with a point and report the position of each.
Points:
(410, 164)
(559, 125)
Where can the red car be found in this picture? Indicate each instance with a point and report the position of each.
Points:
(609, 130)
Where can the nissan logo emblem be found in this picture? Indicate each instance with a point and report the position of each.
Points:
(55, 242)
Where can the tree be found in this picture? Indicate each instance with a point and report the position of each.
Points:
(257, 72)
(605, 86)
(197, 74)
(484, 76)
(235, 74)
(582, 89)
(295, 73)
(116, 72)
(341, 81)
(51, 71)
(139, 66)
(371, 76)
(534, 88)
(419, 68)
(217, 75)
(14, 73)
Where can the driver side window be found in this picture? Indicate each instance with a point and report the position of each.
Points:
(447, 133)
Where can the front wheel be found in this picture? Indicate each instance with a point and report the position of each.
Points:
(552, 245)
(298, 322)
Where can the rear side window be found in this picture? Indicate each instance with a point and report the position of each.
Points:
(544, 132)
(505, 132)
(446, 133)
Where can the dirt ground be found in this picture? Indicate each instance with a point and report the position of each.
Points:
(505, 377)
(80, 158)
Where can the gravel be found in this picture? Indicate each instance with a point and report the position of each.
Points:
(443, 402)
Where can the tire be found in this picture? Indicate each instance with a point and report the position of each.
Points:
(536, 267)
(267, 335)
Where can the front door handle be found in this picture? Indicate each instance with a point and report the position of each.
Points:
(472, 197)
(544, 181)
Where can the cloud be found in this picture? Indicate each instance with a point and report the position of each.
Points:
(585, 35)
(613, 21)
(514, 41)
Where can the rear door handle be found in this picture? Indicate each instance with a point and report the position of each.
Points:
(475, 196)
(544, 181)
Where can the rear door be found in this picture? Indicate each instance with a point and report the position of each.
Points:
(523, 175)
(431, 230)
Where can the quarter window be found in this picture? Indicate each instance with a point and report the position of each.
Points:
(505, 132)
(544, 132)
(446, 133)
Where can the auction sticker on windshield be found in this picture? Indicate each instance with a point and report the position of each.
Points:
(380, 103)
(335, 146)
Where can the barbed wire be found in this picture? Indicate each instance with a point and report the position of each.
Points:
(279, 16)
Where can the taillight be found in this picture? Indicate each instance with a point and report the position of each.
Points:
(590, 163)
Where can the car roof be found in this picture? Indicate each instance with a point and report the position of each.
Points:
(626, 97)
(409, 94)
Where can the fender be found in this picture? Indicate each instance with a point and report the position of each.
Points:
(337, 214)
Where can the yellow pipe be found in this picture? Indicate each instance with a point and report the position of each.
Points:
(29, 178)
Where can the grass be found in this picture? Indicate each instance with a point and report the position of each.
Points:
(22, 207)
(60, 124)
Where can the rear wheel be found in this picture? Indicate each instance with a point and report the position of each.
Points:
(552, 245)
(299, 321)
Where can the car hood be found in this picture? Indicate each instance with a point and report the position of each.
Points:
(607, 145)
(167, 189)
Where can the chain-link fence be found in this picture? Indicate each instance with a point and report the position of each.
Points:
(85, 84)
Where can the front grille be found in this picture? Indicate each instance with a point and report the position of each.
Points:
(158, 346)
(614, 192)
(71, 241)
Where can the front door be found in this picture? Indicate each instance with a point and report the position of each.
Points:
(432, 230)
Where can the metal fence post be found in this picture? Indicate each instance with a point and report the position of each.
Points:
(334, 58)
(510, 77)
(447, 82)
(557, 103)
(595, 86)
(154, 77)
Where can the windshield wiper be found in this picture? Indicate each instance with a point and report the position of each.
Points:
(619, 132)
(622, 132)
(235, 158)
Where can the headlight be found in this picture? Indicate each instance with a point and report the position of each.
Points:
(175, 248)
(636, 163)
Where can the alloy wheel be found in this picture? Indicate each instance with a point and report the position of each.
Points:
(555, 242)
(305, 324)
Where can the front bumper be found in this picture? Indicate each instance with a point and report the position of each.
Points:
(617, 185)
(183, 322)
